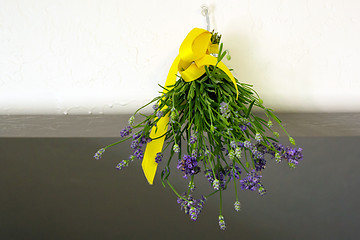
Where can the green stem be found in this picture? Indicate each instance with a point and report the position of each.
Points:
(113, 144)
(172, 188)
(220, 202)
(236, 193)
(211, 194)
(190, 184)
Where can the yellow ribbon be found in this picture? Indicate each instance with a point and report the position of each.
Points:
(194, 55)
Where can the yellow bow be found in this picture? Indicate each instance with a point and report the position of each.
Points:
(194, 55)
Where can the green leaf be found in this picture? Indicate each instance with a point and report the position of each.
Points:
(260, 119)
(220, 49)
(207, 71)
(191, 91)
(273, 116)
(221, 57)
(249, 109)
(163, 87)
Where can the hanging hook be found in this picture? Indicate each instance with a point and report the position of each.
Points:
(205, 13)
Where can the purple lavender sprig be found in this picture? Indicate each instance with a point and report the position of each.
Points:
(290, 154)
(191, 206)
(159, 114)
(193, 139)
(158, 157)
(224, 109)
(218, 181)
(237, 206)
(222, 224)
(125, 131)
(251, 182)
(122, 164)
(188, 165)
(99, 153)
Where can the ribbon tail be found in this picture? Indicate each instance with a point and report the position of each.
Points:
(223, 67)
(149, 165)
(158, 132)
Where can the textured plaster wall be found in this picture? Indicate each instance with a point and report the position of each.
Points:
(93, 56)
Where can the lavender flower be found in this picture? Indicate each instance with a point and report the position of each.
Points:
(139, 154)
(176, 148)
(238, 152)
(155, 106)
(194, 154)
(142, 141)
(236, 114)
(125, 131)
(191, 206)
(209, 176)
(219, 181)
(216, 184)
(188, 165)
(222, 224)
(251, 182)
(258, 152)
(99, 153)
(291, 155)
(184, 204)
(137, 135)
(234, 171)
(262, 190)
(131, 120)
(232, 155)
(278, 157)
(134, 144)
(245, 124)
(192, 186)
(248, 145)
(260, 163)
(237, 206)
(269, 124)
(278, 147)
(158, 157)
(132, 158)
(193, 139)
(258, 137)
(224, 110)
(233, 144)
(122, 164)
(193, 213)
(159, 114)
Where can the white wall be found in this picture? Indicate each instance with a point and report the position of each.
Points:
(93, 56)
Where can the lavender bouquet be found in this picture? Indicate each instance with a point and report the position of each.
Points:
(208, 126)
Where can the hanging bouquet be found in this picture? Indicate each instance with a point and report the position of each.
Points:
(204, 117)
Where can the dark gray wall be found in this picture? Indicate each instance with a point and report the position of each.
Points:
(52, 188)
